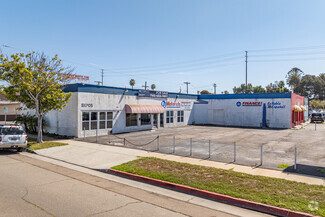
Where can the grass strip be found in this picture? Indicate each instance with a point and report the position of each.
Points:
(277, 192)
(33, 145)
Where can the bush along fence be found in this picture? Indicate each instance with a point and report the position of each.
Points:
(268, 156)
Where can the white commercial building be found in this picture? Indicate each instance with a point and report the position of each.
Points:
(101, 110)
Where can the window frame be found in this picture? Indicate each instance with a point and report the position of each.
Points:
(170, 117)
(147, 118)
(98, 120)
(180, 116)
(127, 124)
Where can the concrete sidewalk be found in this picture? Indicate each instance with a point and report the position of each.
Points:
(225, 209)
(98, 156)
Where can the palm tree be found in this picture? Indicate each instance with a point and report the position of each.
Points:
(132, 83)
(153, 86)
(294, 78)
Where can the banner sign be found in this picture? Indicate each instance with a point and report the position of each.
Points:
(275, 105)
(153, 94)
(252, 103)
(76, 77)
(186, 104)
(168, 104)
(249, 103)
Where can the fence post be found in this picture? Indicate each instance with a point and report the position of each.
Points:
(209, 149)
(295, 165)
(234, 151)
(261, 155)
(157, 143)
(315, 126)
(97, 135)
(191, 147)
(174, 145)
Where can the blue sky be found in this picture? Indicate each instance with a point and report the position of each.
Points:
(202, 41)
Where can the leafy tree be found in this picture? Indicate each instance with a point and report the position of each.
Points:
(226, 92)
(294, 78)
(281, 84)
(242, 89)
(205, 92)
(317, 104)
(258, 89)
(132, 83)
(153, 86)
(34, 80)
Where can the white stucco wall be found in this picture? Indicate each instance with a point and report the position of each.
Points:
(64, 122)
(226, 112)
(116, 104)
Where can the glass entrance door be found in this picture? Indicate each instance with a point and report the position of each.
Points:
(161, 119)
(155, 120)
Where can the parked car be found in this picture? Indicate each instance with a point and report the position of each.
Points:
(12, 137)
(317, 117)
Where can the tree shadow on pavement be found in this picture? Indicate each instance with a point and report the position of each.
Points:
(307, 170)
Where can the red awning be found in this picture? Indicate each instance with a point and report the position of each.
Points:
(138, 109)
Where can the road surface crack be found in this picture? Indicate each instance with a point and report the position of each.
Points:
(116, 208)
(23, 198)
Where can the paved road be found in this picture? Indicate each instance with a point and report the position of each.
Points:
(30, 187)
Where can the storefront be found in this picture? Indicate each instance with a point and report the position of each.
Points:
(101, 110)
(266, 110)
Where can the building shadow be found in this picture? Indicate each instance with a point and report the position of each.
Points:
(307, 170)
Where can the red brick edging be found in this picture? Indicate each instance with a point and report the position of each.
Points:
(212, 195)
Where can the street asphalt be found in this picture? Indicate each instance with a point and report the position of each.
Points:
(32, 187)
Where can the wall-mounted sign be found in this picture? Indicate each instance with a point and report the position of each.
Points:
(86, 105)
(186, 104)
(167, 104)
(74, 77)
(153, 93)
(248, 103)
(275, 105)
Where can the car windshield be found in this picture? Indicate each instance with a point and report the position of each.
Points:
(11, 131)
(316, 115)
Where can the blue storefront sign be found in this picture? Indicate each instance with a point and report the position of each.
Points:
(275, 105)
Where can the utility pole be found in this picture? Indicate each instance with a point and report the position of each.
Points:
(102, 77)
(215, 88)
(187, 83)
(145, 85)
(246, 72)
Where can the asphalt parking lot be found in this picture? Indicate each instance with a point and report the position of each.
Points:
(278, 145)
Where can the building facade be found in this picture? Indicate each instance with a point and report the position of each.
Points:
(102, 110)
(99, 109)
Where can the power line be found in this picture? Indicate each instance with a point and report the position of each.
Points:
(164, 72)
(281, 60)
(289, 48)
(178, 63)
(287, 54)
(183, 66)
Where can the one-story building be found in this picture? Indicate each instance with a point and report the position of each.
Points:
(101, 110)
(270, 110)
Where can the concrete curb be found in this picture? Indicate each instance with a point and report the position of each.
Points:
(30, 151)
(211, 195)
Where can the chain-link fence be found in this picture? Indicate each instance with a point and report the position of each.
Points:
(268, 156)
